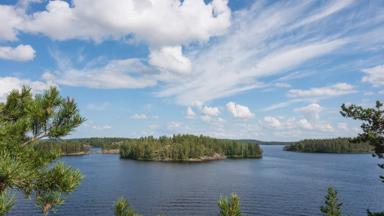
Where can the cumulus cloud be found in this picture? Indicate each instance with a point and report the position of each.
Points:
(10, 22)
(139, 116)
(312, 110)
(239, 111)
(298, 125)
(170, 59)
(334, 90)
(272, 122)
(160, 23)
(19, 53)
(7, 84)
(210, 111)
(305, 124)
(190, 113)
(374, 75)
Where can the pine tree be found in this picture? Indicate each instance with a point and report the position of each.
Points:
(25, 119)
(372, 127)
(122, 208)
(332, 206)
(229, 206)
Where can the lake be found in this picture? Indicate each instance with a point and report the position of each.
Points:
(281, 183)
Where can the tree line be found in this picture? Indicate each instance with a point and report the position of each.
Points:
(63, 147)
(336, 145)
(186, 147)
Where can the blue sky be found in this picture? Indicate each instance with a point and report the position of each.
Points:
(270, 70)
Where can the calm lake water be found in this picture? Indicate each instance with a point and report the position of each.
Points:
(281, 183)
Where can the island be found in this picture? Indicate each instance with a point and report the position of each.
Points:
(187, 148)
(335, 145)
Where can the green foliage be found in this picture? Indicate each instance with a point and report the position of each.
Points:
(24, 120)
(186, 148)
(332, 206)
(337, 145)
(369, 213)
(62, 147)
(229, 206)
(372, 126)
(105, 143)
(48, 201)
(122, 208)
(6, 202)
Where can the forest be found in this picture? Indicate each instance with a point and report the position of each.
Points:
(336, 145)
(62, 147)
(187, 148)
(79, 146)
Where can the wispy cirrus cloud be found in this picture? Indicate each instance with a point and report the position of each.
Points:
(327, 91)
(283, 37)
(114, 74)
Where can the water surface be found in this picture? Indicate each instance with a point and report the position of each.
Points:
(281, 183)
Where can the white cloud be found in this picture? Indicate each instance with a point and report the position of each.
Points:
(228, 65)
(298, 126)
(160, 23)
(190, 113)
(124, 73)
(305, 124)
(328, 10)
(7, 84)
(334, 90)
(312, 110)
(10, 21)
(19, 53)
(282, 85)
(272, 122)
(210, 111)
(283, 104)
(239, 111)
(170, 59)
(374, 75)
(139, 116)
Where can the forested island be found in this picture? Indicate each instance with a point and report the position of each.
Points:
(336, 145)
(111, 145)
(187, 148)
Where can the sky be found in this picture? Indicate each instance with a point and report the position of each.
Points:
(268, 70)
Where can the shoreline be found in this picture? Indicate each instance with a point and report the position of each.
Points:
(203, 159)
